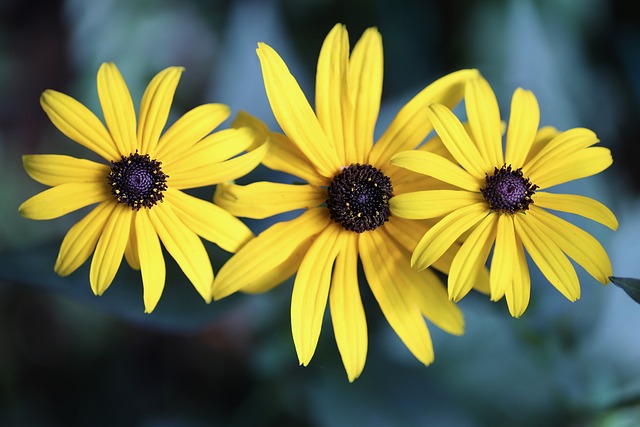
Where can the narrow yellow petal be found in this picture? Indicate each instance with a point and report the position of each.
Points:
(471, 258)
(412, 124)
(131, 251)
(579, 245)
(432, 203)
(484, 120)
(155, 106)
(504, 259)
(394, 293)
(347, 312)
(117, 108)
(55, 169)
(365, 92)
(584, 163)
(253, 264)
(331, 81)
(152, 264)
(579, 205)
(311, 290)
(62, 199)
(523, 126)
(406, 181)
(110, 249)
(80, 241)
(438, 167)
(563, 145)
(264, 199)
(441, 236)
(189, 129)
(79, 124)
(519, 293)
(457, 141)
(209, 221)
(294, 114)
(543, 137)
(548, 257)
(184, 246)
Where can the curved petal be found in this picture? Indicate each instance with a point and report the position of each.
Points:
(209, 221)
(543, 137)
(264, 199)
(457, 141)
(365, 92)
(131, 251)
(441, 236)
(431, 203)
(412, 124)
(523, 126)
(62, 199)
(438, 167)
(189, 129)
(110, 249)
(331, 79)
(347, 312)
(579, 245)
(184, 246)
(562, 146)
(484, 120)
(394, 293)
(254, 264)
(584, 163)
(55, 169)
(311, 290)
(220, 172)
(154, 107)
(152, 264)
(548, 257)
(294, 114)
(504, 259)
(80, 241)
(78, 123)
(471, 258)
(117, 108)
(579, 205)
(519, 293)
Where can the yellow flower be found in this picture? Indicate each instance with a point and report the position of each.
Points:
(139, 197)
(499, 198)
(346, 217)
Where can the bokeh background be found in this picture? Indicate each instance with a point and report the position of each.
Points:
(68, 358)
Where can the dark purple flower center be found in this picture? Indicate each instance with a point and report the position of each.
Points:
(508, 191)
(359, 198)
(137, 181)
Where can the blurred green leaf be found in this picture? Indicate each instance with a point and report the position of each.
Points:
(630, 285)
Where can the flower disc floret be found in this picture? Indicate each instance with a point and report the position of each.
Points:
(508, 191)
(137, 181)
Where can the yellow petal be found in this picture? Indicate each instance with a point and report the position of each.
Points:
(484, 120)
(189, 129)
(576, 243)
(579, 205)
(62, 199)
(294, 114)
(406, 181)
(365, 93)
(253, 264)
(412, 124)
(310, 292)
(155, 106)
(394, 293)
(471, 258)
(213, 174)
(548, 257)
(80, 241)
(117, 108)
(131, 251)
(55, 169)
(331, 81)
(523, 126)
(438, 167)
(263, 199)
(347, 312)
(581, 164)
(441, 236)
(457, 141)
(184, 246)
(519, 293)
(152, 264)
(504, 257)
(110, 249)
(543, 137)
(432, 203)
(79, 124)
(209, 221)
(563, 145)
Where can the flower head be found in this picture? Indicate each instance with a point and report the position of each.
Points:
(346, 201)
(501, 198)
(138, 191)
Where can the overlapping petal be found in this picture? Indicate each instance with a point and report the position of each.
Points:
(484, 120)
(581, 164)
(55, 169)
(579, 205)
(563, 145)
(504, 260)
(438, 167)
(151, 259)
(523, 126)
(431, 203)
(117, 108)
